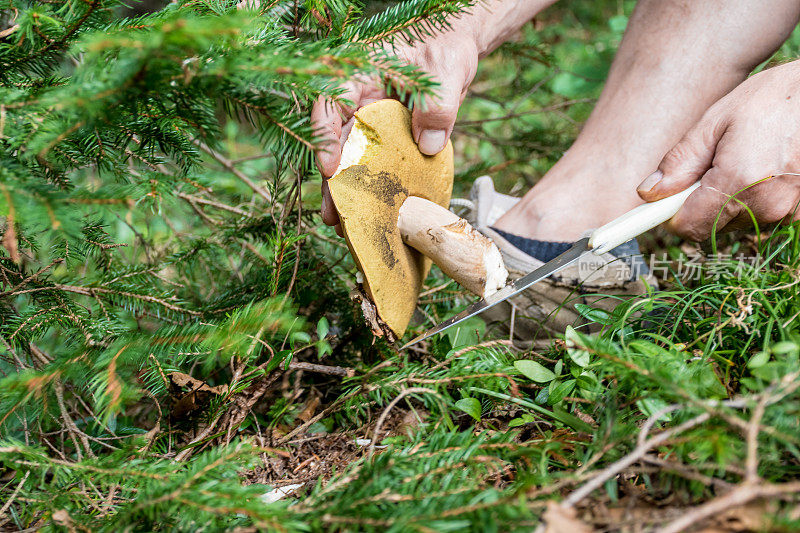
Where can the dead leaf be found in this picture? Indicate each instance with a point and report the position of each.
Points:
(189, 394)
(585, 417)
(62, 518)
(411, 421)
(559, 519)
(310, 409)
(186, 381)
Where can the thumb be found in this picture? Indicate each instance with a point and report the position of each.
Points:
(687, 161)
(432, 122)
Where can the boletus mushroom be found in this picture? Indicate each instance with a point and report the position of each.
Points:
(392, 203)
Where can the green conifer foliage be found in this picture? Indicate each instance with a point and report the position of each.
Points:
(152, 173)
(174, 319)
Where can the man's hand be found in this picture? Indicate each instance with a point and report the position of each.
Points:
(450, 58)
(751, 134)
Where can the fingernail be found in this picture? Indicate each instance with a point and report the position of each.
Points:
(650, 181)
(431, 142)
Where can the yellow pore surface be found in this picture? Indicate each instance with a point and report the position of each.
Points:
(382, 166)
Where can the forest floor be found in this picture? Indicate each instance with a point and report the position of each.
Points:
(236, 386)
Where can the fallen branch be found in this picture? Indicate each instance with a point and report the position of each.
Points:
(219, 205)
(741, 495)
(322, 369)
(637, 454)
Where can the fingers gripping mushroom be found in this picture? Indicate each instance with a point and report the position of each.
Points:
(392, 203)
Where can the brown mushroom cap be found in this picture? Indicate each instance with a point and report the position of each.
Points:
(381, 167)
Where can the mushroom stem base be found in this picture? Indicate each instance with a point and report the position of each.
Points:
(371, 317)
(462, 252)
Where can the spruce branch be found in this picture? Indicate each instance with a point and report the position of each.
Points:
(410, 20)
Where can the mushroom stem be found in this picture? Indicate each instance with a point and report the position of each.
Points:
(462, 252)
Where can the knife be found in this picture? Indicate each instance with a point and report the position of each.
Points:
(618, 231)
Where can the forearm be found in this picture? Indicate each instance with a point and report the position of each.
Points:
(493, 22)
(676, 59)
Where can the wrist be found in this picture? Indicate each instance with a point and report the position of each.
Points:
(493, 22)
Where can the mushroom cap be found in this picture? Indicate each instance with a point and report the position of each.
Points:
(381, 166)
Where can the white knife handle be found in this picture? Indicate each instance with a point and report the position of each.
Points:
(637, 221)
